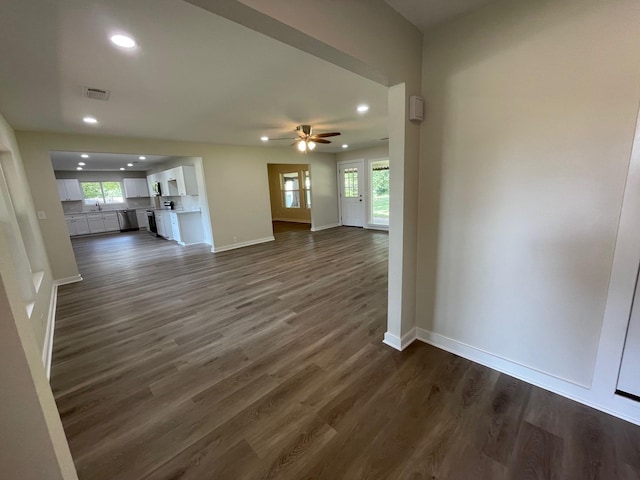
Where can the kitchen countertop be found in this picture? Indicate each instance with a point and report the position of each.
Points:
(175, 211)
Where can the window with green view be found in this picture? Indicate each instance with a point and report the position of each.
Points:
(102, 192)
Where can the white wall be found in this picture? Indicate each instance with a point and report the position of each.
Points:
(236, 186)
(32, 441)
(525, 150)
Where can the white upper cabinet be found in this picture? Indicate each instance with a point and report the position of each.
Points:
(69, 190)
(181, 181)
(176, 182)
(135, 187)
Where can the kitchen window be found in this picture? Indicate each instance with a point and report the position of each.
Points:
(102, 192)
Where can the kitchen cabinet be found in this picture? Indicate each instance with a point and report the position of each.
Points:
(135, 187)
(163, 224)
(96, 224)
(69, 190)
(175, 182)
(143, 220)
(151, 179)
(103, 222)
(110, 222)
(181, 181)
(186, 227)
(77, 225)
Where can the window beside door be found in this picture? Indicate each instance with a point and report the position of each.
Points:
(379, 177)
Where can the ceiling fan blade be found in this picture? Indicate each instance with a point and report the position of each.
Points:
(324, 135)
(319, 140)
(284, 138)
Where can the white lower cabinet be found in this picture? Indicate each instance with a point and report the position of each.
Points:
(175, 227)
(163, 224)
(103, 222)
(77, 225)
(96, 224)
(187, 227)
(143, 220)
(110, 222)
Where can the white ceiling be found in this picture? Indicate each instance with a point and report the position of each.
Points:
(194, 76)
(426, 14)
(105, 161)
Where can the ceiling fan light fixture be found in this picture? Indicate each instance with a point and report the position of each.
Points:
(302, 146)
(311, 145)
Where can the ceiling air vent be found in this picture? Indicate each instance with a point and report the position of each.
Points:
(95, 93)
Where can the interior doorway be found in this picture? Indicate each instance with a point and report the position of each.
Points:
(290, 196)
(351, 191)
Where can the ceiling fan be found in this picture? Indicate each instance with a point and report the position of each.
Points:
(306, 139)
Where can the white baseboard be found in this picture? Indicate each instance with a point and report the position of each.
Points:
(47, 348)
(615, 405)
(67, 280)
(325, 227)
(384, 228)
(291, 220)
(233, 246)
(400, 343)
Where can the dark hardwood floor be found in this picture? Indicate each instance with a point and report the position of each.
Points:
(266, 362)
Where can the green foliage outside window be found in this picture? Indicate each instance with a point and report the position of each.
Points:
(101, 192)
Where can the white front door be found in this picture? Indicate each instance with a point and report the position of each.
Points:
(350, 179)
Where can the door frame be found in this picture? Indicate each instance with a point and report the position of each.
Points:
(361, 162)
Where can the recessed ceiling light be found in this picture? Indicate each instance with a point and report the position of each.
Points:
(345, 146)
(264, 138)
(363, 108)
(78, 168)
(84, 155)
(129, 164)
(121, 168)
(90, 120)
(82, 164)
(142, 157)
(123, 41)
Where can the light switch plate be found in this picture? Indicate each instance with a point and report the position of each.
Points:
(42, 215)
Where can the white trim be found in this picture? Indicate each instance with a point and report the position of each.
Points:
(291, 220)
(67, 280)
(325, 227)
(384, 228)
(233, 246)
(614, 405)
(47, 349)
(400, 343)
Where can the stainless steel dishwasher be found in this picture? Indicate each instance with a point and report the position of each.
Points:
(127, 220)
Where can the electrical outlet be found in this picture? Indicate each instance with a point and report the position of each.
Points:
(42, 215)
